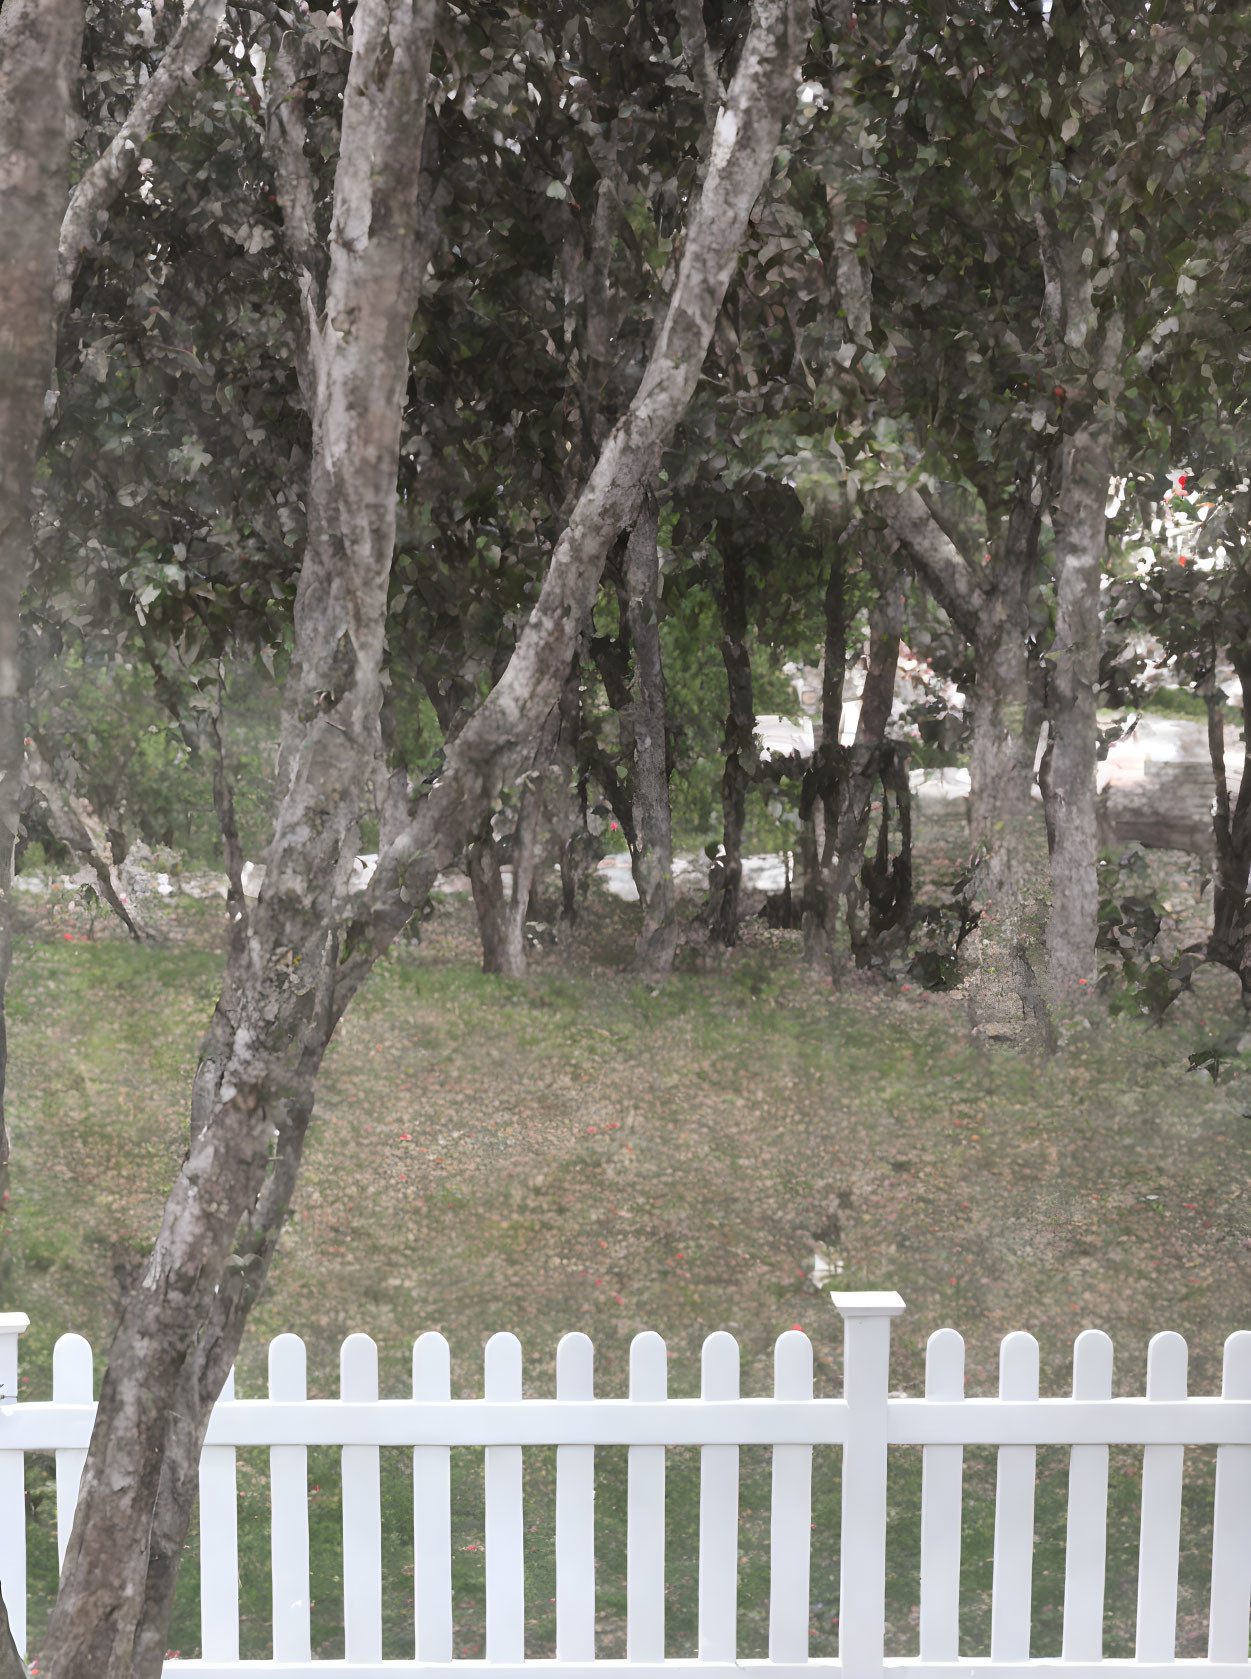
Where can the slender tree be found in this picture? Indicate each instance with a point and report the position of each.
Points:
(299, 957)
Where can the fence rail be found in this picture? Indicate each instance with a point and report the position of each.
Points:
(866, 1422)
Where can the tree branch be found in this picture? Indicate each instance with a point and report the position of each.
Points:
(95, 193)
(695, 51)
(76, 825)
(744, 144)
(943, 568)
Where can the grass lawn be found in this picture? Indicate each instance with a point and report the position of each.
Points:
(573, 1152)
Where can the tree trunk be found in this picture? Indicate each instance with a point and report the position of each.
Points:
(180, 1329)
(1230, 943)
(502, 916)
(580, 849)
(11, 1664)
(652, 853)
(740, 741)
(845, 846)
(39, 50)
(1080, 522)
(307, 947)
(1005, 998)
(489, 901)
(822, 795)
(1008, 889)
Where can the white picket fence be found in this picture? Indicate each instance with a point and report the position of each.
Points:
(865, 1423)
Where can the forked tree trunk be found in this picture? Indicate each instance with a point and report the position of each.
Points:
(180, 1329)
(990, 608)
(1080, 523)
(651, 856)
(307, 947)
(740, 741)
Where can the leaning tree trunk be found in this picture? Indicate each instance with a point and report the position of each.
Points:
(1080, 523)
(180, 1328)
(990, 610)
(39, 47)
(740, 740)
(308, 947)
(651, 855)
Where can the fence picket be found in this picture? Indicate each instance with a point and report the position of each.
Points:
(1160, 1531)
(863, 1423)
(1231, 1521)
(1012, 1581)
(1086, 1540)
(790, 1525)
(362, 1513)
(718, 1512)
(432, 1511)
(505, 1526)
(12, 1489)
(288, 1495)
(73, 1383)
(219, 1545)
(942, 1480)
(862, 1541)
(645, 1515)
(575, 1512)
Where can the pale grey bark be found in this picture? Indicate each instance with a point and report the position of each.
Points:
(1080, 524)
(39, 47)
(46, 231)
(844, 846)
(991, 610)
(180, 1328)
(1087, 337)
(760, 96)
(502, 915)
(306, 951)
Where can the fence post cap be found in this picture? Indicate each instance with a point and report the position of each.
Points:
(14, 1323)
(869, 1303)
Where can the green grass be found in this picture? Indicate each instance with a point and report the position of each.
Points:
(572, 1152)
